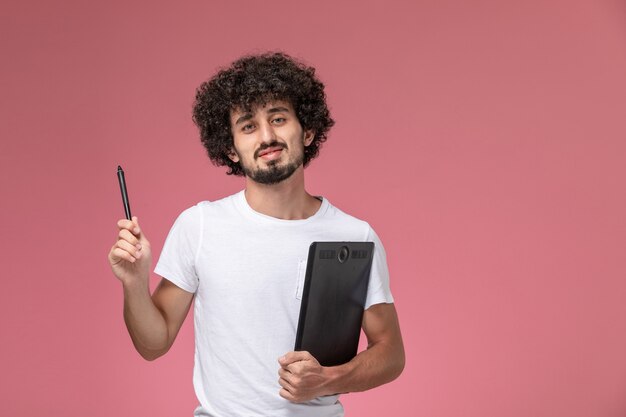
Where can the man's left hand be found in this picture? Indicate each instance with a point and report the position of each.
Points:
(301, 377)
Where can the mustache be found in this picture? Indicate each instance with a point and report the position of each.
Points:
(269, 145)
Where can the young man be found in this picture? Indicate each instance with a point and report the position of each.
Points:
(243, 257)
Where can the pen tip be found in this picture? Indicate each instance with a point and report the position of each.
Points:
(119, 168)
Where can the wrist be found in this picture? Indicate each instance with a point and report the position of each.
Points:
(335, 378)
(136, 286)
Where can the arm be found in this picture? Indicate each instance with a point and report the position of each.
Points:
(302, 378)
(152, 321)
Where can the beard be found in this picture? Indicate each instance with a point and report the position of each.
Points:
(274, 173)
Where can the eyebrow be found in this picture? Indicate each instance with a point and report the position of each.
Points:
(278, 110)
(273, 110)
(243, 118)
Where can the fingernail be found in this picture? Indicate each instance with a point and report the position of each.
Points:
(137, 255)
(136, 230)
(138, 246)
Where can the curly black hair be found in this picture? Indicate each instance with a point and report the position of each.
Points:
(255, 80)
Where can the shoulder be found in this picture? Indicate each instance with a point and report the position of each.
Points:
(348, 221)
(191, 214)
(207, 207)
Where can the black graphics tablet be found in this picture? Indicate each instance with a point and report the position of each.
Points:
(333, 298)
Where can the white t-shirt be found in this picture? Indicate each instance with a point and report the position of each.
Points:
(247, 271)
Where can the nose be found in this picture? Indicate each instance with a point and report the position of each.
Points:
(267, 133)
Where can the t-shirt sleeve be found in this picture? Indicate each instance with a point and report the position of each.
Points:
(177, 262)
(378, 290)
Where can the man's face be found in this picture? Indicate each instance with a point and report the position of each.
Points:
(268, 142)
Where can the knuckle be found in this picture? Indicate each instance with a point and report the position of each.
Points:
(130, 249)
(127, 236)
(123, 254)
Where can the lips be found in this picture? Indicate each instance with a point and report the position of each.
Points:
(269, 150)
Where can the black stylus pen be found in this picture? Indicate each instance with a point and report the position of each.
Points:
(120, 177)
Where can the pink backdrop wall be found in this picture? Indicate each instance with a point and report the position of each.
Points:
(487, 140)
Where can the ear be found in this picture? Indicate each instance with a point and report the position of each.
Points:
(309, 135)
(233, 155)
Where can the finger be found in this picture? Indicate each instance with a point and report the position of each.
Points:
(295, 368)
(119, 254)
(285, 384)
(131, 225)
(125, 224)
(127, 236)
(131, 249)
(287, 395)
(137, 229)
(291, 357)
(287, 376)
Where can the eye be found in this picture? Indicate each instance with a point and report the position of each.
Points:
(248, 127)
(279, 120)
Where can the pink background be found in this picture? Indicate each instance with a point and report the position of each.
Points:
(484, 141)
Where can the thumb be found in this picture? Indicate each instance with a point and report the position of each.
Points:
(137, 229)
(291, 357)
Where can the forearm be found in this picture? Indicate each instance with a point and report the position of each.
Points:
(146, 324)
(379, 364)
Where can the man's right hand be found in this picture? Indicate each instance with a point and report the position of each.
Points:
(131, 256)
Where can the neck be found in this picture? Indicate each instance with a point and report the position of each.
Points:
(287, 200)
